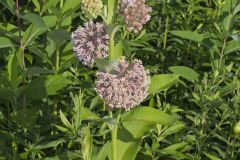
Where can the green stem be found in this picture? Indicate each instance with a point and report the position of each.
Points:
(222, 55)
(61, 3)
(114, 142)
(165, 34)
(111, 11)
(114, 129)
(57, 59)
(20, 34)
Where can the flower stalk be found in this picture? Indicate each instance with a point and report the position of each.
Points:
(114, 141)
(114, 130)
(20, 34)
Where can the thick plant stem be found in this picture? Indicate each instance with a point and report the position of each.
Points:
(114, 129)
(111, 10)
(114, 142)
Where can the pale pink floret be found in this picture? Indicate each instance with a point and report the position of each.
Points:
(136, 13)
(90, 41)
(125, 87)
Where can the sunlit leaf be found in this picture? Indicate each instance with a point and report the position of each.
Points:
(162, 82)
(185, 72)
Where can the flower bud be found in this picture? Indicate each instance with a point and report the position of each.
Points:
(92, 8)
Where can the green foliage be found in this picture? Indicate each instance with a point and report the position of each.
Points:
(48, 106)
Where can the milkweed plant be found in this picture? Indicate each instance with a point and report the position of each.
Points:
(126, 83)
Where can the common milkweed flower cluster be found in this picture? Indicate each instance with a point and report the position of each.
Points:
(90, 42)
(92, 8)
(125, 86)
(136, 13)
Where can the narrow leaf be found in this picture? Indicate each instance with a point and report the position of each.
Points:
(193, 36)
(64, 120)
(211, 157)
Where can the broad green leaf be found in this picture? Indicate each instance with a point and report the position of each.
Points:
(37, 70)
(35, 19)
(10, 4)
(13, 71)
(127, 148)
(185, 72)
(232, 46)
(148, 115)
(140, 120)
(228, 22)
(127, 145)
(87, 114)
(50, 21)
(137, 128)
(71, 6)
(104, 151)
(59, 36)
(162, 82)
(135, 124)
(6, 42)
(45, 86)
(212, 157)
(229, 5)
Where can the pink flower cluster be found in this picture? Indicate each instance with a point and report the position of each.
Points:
(125, 86)
(90, 41)
(136, 13)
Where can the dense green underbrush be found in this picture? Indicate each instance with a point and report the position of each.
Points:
(50, 107)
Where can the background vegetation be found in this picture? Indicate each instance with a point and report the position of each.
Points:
(50, 110)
